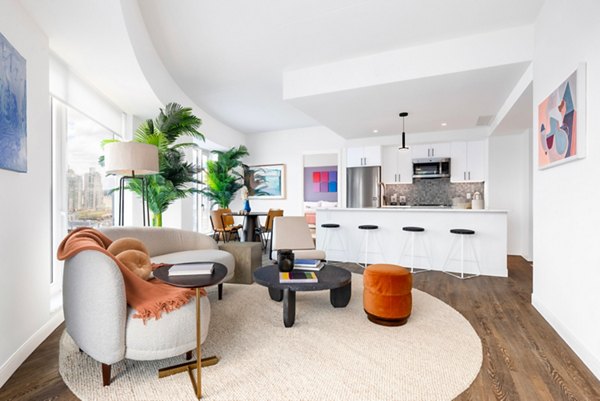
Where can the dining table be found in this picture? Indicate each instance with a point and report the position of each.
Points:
(251, 221)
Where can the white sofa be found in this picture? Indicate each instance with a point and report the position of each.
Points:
(98, 318)
(171, 245)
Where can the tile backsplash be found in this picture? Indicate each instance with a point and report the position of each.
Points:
(432, 191)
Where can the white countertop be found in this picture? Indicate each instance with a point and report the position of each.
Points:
(409, 209)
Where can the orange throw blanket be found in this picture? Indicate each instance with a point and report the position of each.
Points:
(148, 298)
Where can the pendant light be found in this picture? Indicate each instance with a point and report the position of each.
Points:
(403, 148)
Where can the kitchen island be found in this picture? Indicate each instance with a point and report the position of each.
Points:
(490, 239)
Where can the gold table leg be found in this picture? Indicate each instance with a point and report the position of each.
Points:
(198, 363)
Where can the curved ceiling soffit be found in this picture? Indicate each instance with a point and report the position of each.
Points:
(217, 134)
(92, 40)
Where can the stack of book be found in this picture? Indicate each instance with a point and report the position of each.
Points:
(298, 277)
(308, 264)
(191, 269)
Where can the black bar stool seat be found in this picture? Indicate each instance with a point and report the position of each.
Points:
(463, 231)
(413, 229)
(368, 227)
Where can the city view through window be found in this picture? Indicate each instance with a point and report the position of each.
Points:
(89, 197)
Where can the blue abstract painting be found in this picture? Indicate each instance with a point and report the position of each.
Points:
(13, 108)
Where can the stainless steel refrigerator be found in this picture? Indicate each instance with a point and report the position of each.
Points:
(363, 186)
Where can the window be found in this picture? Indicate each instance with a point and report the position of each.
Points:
(81, 191)
(202, 203)
(89, 199)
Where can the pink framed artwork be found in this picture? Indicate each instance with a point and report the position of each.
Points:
(561, 122)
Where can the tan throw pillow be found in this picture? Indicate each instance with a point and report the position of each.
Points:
(125, 244)
(136, 261)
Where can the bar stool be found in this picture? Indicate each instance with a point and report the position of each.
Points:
(335, 234)
(368, 228)
(414, 233)
(463, 234)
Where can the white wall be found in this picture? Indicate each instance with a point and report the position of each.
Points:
(288, 147)
(509, 187)
(25, 232)
(321, 159)
(566, 279)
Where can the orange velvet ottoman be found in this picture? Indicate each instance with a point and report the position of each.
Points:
(387, 297)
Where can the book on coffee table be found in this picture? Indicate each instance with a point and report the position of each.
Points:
(298, 277)
(191, 269)
(306, 262)
(309, 264)
(310, 267)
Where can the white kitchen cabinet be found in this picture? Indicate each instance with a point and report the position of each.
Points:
(427, 151)
(363, 156)
(468, 161)
(396, 166)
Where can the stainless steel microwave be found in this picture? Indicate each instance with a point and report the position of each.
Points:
(437, 167)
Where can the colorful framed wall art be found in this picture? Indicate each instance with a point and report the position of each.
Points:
(320, 184)
(561, 122)
(266, 181)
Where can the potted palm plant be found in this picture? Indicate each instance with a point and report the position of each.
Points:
(223, 176)
(176, 177)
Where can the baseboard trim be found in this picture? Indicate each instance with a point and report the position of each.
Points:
(16, 359)
(588, 358)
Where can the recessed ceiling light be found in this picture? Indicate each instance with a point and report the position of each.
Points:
(444, 124)
(375, 131)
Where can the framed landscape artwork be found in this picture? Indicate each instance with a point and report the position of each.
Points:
(266, 181)
(13, 108)
(561, 122)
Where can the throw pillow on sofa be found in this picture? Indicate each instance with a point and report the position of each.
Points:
(125, 244)
(136, 261)
(134, 255)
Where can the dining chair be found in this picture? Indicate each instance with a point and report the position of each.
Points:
(265, 232)
(229, 224)
(218, 218)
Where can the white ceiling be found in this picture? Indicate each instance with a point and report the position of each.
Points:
(457, 99)
(229, 56)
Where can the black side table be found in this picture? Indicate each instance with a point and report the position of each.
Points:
(335, 279)
(193, 281)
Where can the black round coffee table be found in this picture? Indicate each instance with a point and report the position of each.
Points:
(335, 279)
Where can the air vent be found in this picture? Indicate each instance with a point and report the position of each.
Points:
(484, 121)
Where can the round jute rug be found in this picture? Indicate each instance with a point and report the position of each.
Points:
(329, 354)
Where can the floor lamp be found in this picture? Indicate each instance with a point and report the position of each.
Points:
(131, 160)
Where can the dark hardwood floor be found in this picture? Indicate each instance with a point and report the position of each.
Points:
(523, 357)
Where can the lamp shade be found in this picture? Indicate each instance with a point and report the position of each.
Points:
(130, 158)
